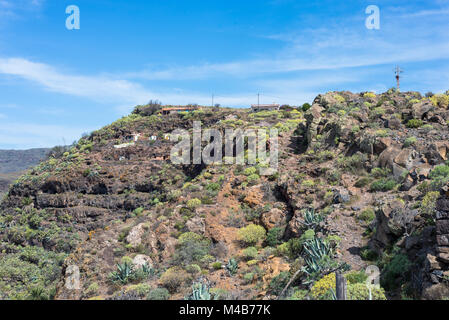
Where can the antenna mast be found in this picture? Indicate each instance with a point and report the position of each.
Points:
(397, 72)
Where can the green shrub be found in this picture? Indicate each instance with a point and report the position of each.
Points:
(192, 249)
(274, 236)
(141, 289)
(306, 106)
(189, 237)
(380, 172)
(308, 183)
(249, 277)
(410, 141)
(298, 295)
(333, 240)
(428, 203)
(395, 272)
(193, 203)
(250, 171)
(193, 269)
(278, 283)
(356, 277)
(217, 265)
(355, 129)
(367, 215)
(158, 294)
(362, 182)
(307, 235)
(354, 163)
(361, 291)
(252, 234)
(250, 253)
(383, 185)
(254, 178)
(381, 133)
(93, 288)
(213, 186)
(138, 211)
(368, 254)
(439, 176)
(414, 123)
(173, 278)
(30, 272)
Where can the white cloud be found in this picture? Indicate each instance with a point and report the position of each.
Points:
(424, 13)
(98, 88)
(14, 9)
(327, 54)
(125, 94)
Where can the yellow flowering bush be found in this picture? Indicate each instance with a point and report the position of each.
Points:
(339, 98)
(369, 95)
(322, 286)
(440, 100)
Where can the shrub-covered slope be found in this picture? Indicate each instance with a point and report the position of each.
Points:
(362, 181)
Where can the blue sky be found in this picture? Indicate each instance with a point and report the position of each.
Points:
(56, 84)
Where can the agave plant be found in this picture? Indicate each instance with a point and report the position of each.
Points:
(124, 273)
(315, 251)
(232, 266)
(200, 291)
(317, 248)
(147, 269)
(312, 219)
(333, 294)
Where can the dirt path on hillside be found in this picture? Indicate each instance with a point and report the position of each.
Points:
(341, 222)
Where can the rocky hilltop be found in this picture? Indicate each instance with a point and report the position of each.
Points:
(362, 181)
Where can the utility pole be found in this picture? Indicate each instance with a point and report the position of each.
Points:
(212, 99)
(258, 99)
(397, 72)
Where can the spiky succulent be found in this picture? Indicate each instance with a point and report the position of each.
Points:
(315, 251)
(312, 219)
(200, 291)
(232, 266)
(123, 274)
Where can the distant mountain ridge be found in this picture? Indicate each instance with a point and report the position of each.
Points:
(19, 160)
(13, 163)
